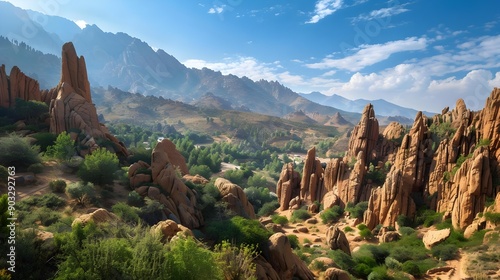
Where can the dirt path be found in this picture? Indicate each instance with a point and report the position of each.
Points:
(41, 186)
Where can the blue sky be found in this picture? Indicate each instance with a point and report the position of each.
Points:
(422, 54)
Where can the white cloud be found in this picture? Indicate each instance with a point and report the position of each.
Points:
(324, 8)
(382, 13)
(216, 9)
(239, 66)
(432, 83)
(81, 23)
(367, 55)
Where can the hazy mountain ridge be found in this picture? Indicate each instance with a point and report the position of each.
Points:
(384, 108)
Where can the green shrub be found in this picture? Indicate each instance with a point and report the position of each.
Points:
(318, 265)
(411, 268)
(44, 140)
(82, 192)
(4, 173)
(44, 215)
(258, 196)
(99, 167)
(403, 221)
(361, 270)
(135, 199)
(331, 215)
(239, 230)
(406, 230)
(365, 233)
(48, 200)
(17, 151)
(36, 168)
(280, 220)
(357, 211)
(294, 241)
(58, 186)
(343, 260)
(300, 215)
(445, 251)
(137, 154)
(348, 229)
(236, 262)
(63, 148)
(379, 273)
(392, 263)
(362, 227)
(483, 142)
(428, 218)
(492, 217)
(202, 170)
(268, 208)
(127, 213)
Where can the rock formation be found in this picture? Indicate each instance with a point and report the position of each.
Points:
(311, 186)
(389, 201)
(17, 85)
(390, 141)
(178, 200)
(235, 198)
(288, 186)
(364, 136)
(100, 215)
(434, 237)
(336, 274)
(72, 108)
(286, 264)
(168, 229)
(336, 239)
(70, 102)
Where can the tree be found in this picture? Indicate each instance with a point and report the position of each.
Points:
(98, 167)
(30, 110)
(82, 192)
(63, 148)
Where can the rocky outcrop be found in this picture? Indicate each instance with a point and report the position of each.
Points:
(336, 274)
(434, 237)
(391, 139)
(364, 136)
(17, 85)
(415, 155)
(195, 179)
(286, 264)
(336, 239)
(355, 189)
(178, 200)
(311, 186)
(72, 108)
(288, 186)
(235, 198)
(168, 229)
(100, 215)
(174, 156)
(389, 201)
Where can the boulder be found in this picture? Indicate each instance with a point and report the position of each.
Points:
(98, 216)
(195, 179)
(168, 229)
(336, 239)
(286, 264)
(235, 197)
(434, 237)
(336, 274)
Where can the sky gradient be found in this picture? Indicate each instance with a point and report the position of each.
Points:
(421, 54)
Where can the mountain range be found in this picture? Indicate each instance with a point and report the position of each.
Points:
(33, 41)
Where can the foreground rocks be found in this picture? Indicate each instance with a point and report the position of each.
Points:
(235, 198)
(159, 182)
